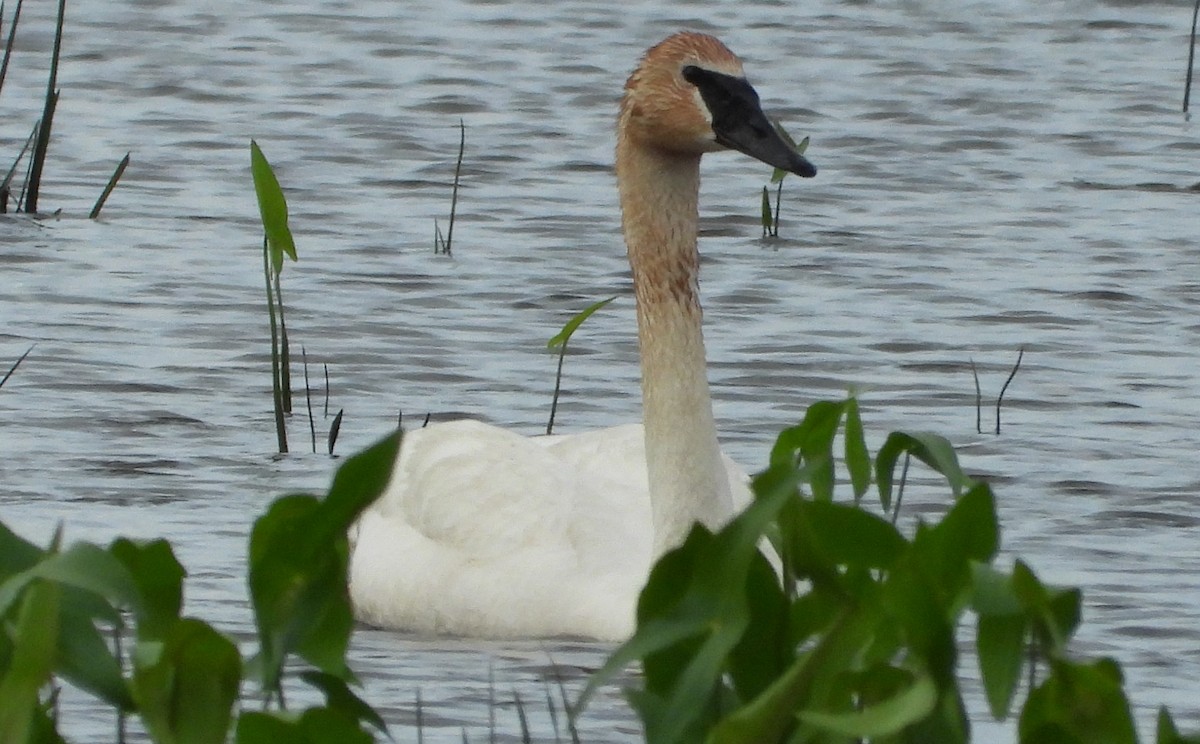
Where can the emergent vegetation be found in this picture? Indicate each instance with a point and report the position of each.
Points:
(850, 635)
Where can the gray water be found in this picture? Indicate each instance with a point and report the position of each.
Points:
(993, 176)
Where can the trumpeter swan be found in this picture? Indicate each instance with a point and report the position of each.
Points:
(483, 532)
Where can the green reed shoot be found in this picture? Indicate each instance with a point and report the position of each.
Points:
(43, 139)
(560, 341)
(108, 188)
(1187, 85)
(770, 217)
(999, 398)
(440, 244)
(277, 242)
(14, 366)
(12, 35)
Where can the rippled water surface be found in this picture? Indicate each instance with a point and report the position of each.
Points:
(993, 176)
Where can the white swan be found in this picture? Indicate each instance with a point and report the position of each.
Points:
(482, 532)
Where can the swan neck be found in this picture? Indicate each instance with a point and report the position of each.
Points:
(688, 481)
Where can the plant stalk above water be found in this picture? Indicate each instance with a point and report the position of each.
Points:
(560, 340)
(441, 245)
(277, 243)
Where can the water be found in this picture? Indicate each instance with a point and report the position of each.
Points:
(993, 176)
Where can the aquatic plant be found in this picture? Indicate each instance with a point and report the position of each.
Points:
(999, 398)
(851, 635)
(1187, 83)
(14, 366)
(183, 678)
(277, 243)
(770, 217)
(560, 341)
(440, 244)
(108, 187)
(38, 142)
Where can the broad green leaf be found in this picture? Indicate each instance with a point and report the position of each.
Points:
(35, 641)
(993, 592)
(858, 459)
(1166, 733)
(359, 481)
(708, 614)
(16, 553)
(933, 450)
(563, 336)
(284, 577)
(299, 555)
(969, 532)
(255, 727)
(339, 697)
(84, 656)
(186, 684)
(760, 657)
(84, 566)
(1000, 645)
(845, 535)
(272, 207)
(313, 726)
(884, 718)
(1054, 612)
(159, 580)
(811, 443)
(1081, 702)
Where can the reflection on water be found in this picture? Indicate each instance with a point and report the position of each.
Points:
(992, 177)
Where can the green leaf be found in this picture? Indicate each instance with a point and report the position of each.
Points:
(993, 592)
(360, 480)
(84, 566)
(1000, 644)
(1081, 702)
(84, 657)
(272, 207)
(159, 580)
(766, 209)
(691, 615)
(563, 336)
(299, 556)
(186, 684)
(760, 657)
(933, 450)
(779, 174)
(1054, 612)
(843, 535)
(810, 443)
(1166, 733)
(33, 655)
(908, 706)
(16, 553)
(313, 726)
(858, 459)
(339, 697)
(255, 727)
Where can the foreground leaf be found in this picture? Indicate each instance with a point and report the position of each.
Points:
(34, 642)
(884, 718)
(186, 684)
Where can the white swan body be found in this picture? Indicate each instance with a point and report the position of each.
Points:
(482, 532)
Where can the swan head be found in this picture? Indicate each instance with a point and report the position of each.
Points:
(689, 96)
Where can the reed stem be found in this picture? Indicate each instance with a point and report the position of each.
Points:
(112, 184)
(276, 387)
(43, 139)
